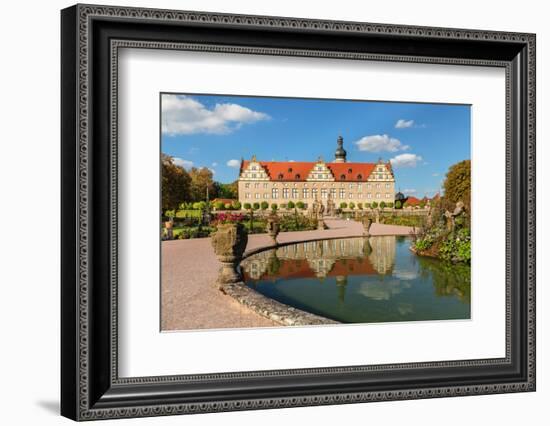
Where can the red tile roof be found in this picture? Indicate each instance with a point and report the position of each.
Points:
(413, 201)
(299, 170)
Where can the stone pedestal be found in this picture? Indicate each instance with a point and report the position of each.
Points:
(229, 242)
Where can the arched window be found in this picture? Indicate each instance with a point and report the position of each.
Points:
(290, 170)
(280, 176)
(297, 176)
(349, 170)
(343, 177)
(359, 177)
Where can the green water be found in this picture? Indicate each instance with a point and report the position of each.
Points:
(360, 280)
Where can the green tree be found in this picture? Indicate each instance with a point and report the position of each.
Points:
(360, 206)
(255, 206)
(382, 204)
(457, 183)
(227, 190)
(290, 205)
(200, 180)
(390, 204)
(374, 204)
(247, 206)
(218, 205)
(274, 207)
(300, 205)
(175, 184)
(236, 205)
(343, 205)
(264, 205)
(398, 204)
(352, 205)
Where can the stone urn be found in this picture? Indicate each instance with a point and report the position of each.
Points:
(169, 231)
(229, 242)
(273, 227)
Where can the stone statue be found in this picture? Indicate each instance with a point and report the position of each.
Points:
(451, 217)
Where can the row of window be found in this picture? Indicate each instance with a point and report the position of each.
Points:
(297, 176)
(351, 185)
(294, 194)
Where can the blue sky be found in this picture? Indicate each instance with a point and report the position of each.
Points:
(421, 140)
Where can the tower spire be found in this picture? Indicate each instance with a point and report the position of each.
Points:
(340, 153)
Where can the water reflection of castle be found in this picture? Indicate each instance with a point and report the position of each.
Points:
(338, 258)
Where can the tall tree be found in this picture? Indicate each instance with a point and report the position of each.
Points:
(458, 183)
(176, 184)
(227, 190)
(202, 178)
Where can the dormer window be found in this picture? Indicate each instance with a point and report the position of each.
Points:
(343, 177)
(349, 170)
(290, 170)
(297, 177)
(359, 177)
(280, 177)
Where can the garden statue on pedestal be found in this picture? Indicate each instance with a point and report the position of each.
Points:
(273, 226)
(229, 242)
(367, 222)
(331, 206)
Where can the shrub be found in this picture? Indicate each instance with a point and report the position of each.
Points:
(300, 205)
(352, 205)
(390, 204)
(290, 205)
(247, 206)
(382, 204)
(236, 205)
(255, 206)
(457, 247)
(360, 206)
(218, 205)
(374, 204)
(398, 204)
(367, 205)
(274, 207)
(343, 205)
(228, 206)
(264, 205)
(170, 213)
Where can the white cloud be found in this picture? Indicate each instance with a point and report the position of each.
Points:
(182, 115)
(409, 191)
(186, 164)
(214, 164)
(435, 174)
(405, 160)
(403, 124)
(378, 143)
(234, 163)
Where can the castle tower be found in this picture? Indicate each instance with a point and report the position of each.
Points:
(340, 153)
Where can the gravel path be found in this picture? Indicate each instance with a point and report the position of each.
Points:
(190, 298)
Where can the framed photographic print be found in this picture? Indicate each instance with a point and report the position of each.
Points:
(263, 212)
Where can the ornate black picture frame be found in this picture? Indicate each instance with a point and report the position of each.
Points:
(91, 37)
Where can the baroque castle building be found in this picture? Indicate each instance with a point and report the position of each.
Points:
(283, 181)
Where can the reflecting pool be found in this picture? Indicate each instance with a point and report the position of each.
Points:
(361, 280)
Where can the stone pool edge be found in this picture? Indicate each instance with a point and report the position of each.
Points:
(277, 312)
(271, 309)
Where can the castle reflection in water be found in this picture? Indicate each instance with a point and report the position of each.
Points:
(337, 258)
